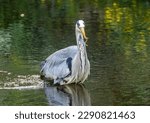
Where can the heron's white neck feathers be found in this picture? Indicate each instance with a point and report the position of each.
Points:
(80, 39)
(81, 57)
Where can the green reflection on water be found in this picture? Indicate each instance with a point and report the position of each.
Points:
(118, 47)
(22, 97)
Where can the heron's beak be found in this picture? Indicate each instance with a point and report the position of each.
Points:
(83, 33)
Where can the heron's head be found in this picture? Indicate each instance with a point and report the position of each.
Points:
(80, 25)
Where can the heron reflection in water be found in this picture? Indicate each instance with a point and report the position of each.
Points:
(68, 95)
(71, 64)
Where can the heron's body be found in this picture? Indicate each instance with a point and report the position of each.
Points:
(68, 65)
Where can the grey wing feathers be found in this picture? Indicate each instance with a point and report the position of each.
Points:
(64, 53)
(57, 65)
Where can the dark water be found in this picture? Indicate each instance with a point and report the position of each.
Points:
(118, 49)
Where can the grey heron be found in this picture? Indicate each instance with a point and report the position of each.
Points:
(71, 64)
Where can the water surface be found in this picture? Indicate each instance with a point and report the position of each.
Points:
(118, 47)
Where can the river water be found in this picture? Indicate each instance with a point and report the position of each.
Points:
(118, 50)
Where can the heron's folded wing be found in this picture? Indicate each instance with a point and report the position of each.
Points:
(62, 54)
(56, 64)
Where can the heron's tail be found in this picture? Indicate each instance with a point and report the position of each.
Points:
(41, 71)
(42, 66)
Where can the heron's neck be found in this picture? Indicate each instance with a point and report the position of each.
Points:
(81, 55)
(78, 34)
(79, 38)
